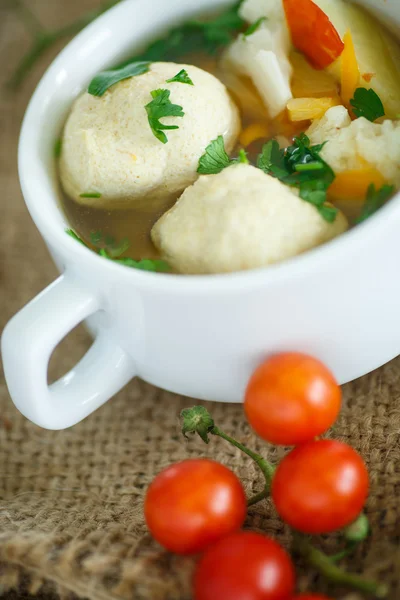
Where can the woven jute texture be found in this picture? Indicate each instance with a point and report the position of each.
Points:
(71, 502)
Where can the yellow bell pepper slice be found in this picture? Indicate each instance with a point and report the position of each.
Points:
(254, 132)
(354, 183)
(305, 109)
(349, 70)
(308, 82)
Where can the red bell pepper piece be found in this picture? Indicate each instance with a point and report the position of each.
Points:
(313, 33)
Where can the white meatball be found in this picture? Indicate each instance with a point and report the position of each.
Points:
(352, 144)
(109, 147)
(240, 219)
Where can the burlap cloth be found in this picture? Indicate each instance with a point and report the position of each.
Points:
(71, 502)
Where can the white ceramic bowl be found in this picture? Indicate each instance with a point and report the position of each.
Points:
(199, 336)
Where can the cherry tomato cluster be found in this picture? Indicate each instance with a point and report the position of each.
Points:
(320, 486)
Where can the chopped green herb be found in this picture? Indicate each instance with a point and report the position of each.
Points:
(242, 158)
(104, 80)
(302, 153)
(146, 264)
(219, 31)
(301, 166)
(256, 25)
(96, 237)
(161, 106)
(272, 160)
(58, 148)
(114, 249)
(75, 236)
(181, 77)
(311, 166)
(215, 159)
(375, 200)
(328, 212)
(195, 36)
(117, 250)
(90, 195)
(109, 240)
(314, 192)
(366, 103)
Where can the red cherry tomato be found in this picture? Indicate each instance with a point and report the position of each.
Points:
(244, 565)
(312, 32)
(194, 503)
(320, 486)
(291, 399)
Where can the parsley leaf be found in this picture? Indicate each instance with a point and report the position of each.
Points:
(181, 77)
(195, 36)
(272, 160)
(58, 148)
(161, 106)
(301, 157)
(375, 200)
(242, 158)
(219, 31)
(301, 166)
(215, 159)
(104, 80)
(90, 195)
(253, 28)
(366, 103)
(146, 264)
(114, 249)
(75, 236)
(96, 237)
(315, 192)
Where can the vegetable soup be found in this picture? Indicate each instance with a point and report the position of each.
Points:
(236, 141)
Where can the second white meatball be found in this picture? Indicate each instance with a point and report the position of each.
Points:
(240, 219)
(110, 150)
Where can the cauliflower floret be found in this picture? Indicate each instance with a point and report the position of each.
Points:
(252, 10)
(335, 119)
(264, 55)
(237, 220)
(109, 147)
(350, 144)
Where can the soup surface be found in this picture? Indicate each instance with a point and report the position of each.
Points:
(315, 89)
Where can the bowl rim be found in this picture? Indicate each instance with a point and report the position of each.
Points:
(299, 266)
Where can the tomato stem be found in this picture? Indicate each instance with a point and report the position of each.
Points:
(335, 574)
(264, 465)
(259, 497)
(346, 552)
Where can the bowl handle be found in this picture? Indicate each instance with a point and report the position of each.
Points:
(28, 342)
